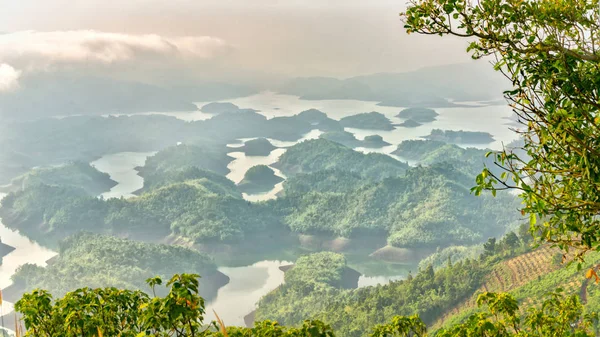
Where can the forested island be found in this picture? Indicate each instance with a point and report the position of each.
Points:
(460, 137)
(415, 116)
(374, 141)
(368, 120)
(257, 147)
(77, 174)
(258, 179)
(91, 260)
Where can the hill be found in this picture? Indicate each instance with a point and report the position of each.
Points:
(76, 174)
(371, 121)
(258, 179)
(315, 155)
(90, 260)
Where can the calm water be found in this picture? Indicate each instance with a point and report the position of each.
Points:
(490, 119)
(249, 283)
(246, 287)
(26, 251)
(121, 168)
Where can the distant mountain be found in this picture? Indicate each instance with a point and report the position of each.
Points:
(49, 95)
(427, 87)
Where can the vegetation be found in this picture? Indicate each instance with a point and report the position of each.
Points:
(75, 174)
(554, 94)
(428, 152)
(315, 155)
(428, 207)
(198, 210)
(335, 181)
(218, 107)
(91, 260)
(419, 115)
(260, 178)
(212, 181)
(257, 147)
(320, 120)
(460, 137)
(342, 137)
(179, 156)
(374, 141)
(368, 120)
(409, 123)
(428, 294)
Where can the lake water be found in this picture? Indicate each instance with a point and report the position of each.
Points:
(492, 119)
(121, 168)
(249, 283)
(26, 251)
(246, 287)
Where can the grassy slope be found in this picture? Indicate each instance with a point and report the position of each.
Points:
(528, 277)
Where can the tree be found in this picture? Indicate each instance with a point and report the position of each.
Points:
(489, 247)
(549, 50)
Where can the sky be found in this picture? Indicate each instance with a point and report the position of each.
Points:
(214, 39)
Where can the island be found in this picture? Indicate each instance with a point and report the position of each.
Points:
(218, 107)
(259, 179)
(409, 123)
(321, 154)
(257, 147)
(77, 174)
(93, 260)
(374, 141)
(342, 137)
(370, 121)
(460, 137)
(320, 120)
(419, 115)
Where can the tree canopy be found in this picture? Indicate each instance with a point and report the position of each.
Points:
(549, 51)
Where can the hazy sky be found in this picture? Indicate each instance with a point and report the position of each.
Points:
(215, 38)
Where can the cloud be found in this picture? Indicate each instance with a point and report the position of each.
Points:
(34, 50)
(9, 77)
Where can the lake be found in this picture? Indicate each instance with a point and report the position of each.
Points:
(121, 168)
(249, 283)
(26, 251)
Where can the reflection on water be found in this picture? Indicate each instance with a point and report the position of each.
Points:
(121, 168)
(242, 163)
(246, 287)
(26, 251)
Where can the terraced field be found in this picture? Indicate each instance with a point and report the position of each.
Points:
(509, 275)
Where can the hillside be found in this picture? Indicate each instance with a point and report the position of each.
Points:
(75, 174)
(89, 260)
(315, 155)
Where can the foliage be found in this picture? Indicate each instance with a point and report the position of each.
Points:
(199, 210)
(182, 155)
(460, 137)
(214, 182)
(548, 50)
(74, 174)
(259, 178)
(419, 115)
(91, 260)
(558, 316)
(368, 120)
(257, 147)
(451, 254)
(315, 155)
(341, 137)
(429, 206)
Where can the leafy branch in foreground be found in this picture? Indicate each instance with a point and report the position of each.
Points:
(114, 312)
(549, 51)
